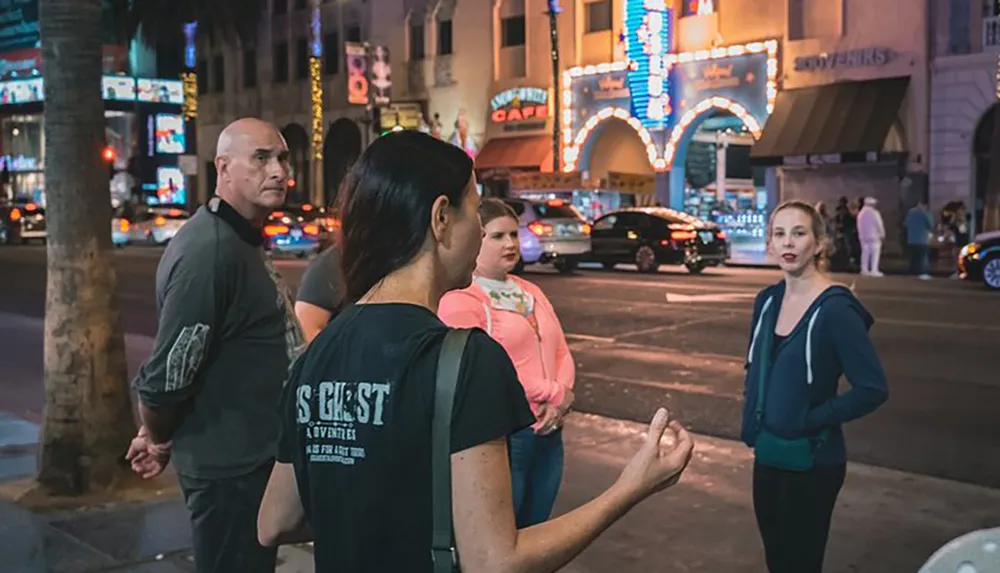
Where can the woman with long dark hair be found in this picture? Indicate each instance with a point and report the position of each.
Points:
(354, 462)
(806, 333)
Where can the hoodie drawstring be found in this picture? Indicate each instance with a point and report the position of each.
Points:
(809, 354)
(756, 330)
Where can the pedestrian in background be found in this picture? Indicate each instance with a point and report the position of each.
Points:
(320, 292)
(226, 336)
(517, 314)
(806, 333)
(354, 468)
(871, 231)
(919, 226)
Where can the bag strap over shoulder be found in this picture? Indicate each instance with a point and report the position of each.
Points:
(443, 552)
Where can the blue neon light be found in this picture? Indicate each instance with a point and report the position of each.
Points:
(190, 47)
(648, 38)
(316, 27)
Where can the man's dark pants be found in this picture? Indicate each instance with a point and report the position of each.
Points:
(224, 522)
(920, 259)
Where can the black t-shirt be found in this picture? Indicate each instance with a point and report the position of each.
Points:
(356, 425)
(321, 283)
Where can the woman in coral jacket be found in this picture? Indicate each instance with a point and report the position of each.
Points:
(516, 314)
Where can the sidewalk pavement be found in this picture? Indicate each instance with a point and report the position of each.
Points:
(886, 521)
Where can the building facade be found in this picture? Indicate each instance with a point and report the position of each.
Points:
(965, 44)
(721, 108)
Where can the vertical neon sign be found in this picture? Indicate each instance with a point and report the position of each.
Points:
(189, 77)
(647, 41)
(316, 79)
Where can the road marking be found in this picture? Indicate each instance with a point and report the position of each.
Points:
(685, 387)
(665, 328)
(589, 338)
(722, 297)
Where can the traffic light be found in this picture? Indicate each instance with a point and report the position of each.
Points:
(109, 154)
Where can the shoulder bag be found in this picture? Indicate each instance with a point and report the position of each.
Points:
(796, 455)
(443, 552)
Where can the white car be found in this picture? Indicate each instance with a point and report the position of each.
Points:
(157, 225)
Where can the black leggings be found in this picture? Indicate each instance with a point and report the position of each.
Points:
(793, 515)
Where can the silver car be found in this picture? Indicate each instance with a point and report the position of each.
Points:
(550, 231)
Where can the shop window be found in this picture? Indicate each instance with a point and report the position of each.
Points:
(354, 34)
(331, 54)
(416, 41)
(991, 8)
(814, 19)
(512, 31)
(301, 59)
(598, 16)
(250, 68)
(606, 224)
(281, 62)
(444, 38)
(959, 27)
(219, 73)
(697, 7)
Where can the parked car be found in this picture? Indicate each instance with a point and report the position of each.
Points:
(22, 222)
(654, 236)
(550, 232)
(296, 231)
(980, 260)
(120, 228)
(157, 225)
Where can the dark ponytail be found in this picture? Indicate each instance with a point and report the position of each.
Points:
(385, 203)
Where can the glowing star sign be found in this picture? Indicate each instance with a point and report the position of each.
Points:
(647, 41)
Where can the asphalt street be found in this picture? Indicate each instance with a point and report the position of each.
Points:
(679, 340)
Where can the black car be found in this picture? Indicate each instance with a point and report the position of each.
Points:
(654, 236)
(980, 260)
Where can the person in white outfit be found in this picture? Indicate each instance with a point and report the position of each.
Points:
(871, 231)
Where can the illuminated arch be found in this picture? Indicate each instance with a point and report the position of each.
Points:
(717, 102)
(571, 153)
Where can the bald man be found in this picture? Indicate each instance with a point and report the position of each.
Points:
(227, 333)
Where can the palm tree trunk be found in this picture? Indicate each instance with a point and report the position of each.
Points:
(88, 417)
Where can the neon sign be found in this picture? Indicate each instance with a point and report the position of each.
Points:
(648, 39)
(519, 104)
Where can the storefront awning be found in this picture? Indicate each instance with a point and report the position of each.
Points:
(526, 152)
(844, 122)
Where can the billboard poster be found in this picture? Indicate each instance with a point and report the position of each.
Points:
(171, 187)
(19, 29)
(357, 73)
(742, 79)
(22, 91)
(381, 76)
(161, 91)
(170, 134)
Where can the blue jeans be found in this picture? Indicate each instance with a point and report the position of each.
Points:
(536, 467)
(920, 263)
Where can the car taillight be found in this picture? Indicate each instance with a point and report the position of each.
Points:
(123, 226)
(274, 230)
(585, 229)
(682, 235)
(159, 221)
(540, 229)
(310, 230)
(555, 202)
(15, 215)
(720, 235)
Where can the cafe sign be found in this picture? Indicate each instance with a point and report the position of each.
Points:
(520, 104)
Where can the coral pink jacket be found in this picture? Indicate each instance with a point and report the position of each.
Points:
(543, 362)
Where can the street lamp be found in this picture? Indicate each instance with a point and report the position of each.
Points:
(554, 35)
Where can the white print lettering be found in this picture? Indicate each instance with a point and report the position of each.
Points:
(332, 413)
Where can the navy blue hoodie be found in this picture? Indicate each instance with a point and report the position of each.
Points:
(830, 340)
